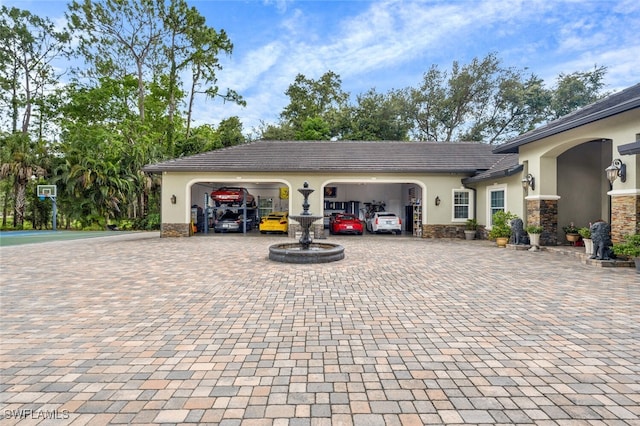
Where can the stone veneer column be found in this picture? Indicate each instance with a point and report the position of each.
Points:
(317, 230)
(544, 213)
(625, 216)
(174, 230)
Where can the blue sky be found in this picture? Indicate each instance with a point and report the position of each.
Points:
(391, 44)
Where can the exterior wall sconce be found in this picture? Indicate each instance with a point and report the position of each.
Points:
(529, 182)
(173, 199)
(437, 201)
(617, 169)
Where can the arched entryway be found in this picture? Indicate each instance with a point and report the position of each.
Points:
(571, 185)
(582, 184)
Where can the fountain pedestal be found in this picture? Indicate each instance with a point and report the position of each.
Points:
(306, 251)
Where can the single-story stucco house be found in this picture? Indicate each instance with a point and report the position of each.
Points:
(563, 164)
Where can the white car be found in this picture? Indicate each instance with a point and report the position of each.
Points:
(384, 222)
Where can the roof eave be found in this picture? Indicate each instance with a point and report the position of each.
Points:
(156, 169)
(494, 175)
(513, 147)
(632, 148)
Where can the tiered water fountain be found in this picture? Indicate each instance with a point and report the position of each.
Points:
(306, 251)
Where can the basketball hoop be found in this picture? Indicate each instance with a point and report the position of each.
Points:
(45, 191)
(49, 191)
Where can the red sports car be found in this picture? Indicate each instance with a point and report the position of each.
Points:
(345, 223)
(232, 196)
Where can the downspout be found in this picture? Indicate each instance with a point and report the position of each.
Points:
(475, 199)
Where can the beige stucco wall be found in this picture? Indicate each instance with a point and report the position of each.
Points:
(570, 167)
(541, 156)
(427, 188)
(513, 192)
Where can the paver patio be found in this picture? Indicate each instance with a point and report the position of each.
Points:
(403, 331)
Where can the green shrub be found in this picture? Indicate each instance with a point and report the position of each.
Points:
(154, 221)
(570, 229)
(501, 225)
(149, 223)
(534, 229)
(630, 246)
(584, 232)
(125, 225)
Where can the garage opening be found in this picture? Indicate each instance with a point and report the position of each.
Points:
(226, 207)
(365, 199)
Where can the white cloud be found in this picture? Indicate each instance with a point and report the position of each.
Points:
(408, 37)
(391, 43)
(281, 5)
(248, 71)
(628, 7)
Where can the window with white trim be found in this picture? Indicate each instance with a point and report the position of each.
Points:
(497, 201)
(462, 205)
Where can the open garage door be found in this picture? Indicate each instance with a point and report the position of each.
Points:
(226, 207)
(364, 199)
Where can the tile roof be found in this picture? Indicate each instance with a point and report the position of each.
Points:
(338, 156)
(617, 103)
(506, 165)
(630, 148)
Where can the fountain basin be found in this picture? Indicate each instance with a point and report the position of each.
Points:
(316, 253)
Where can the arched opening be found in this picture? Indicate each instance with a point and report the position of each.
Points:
(362, 197)
(582, 184)
(266, 196)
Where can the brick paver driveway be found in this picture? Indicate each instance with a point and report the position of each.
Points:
(403, 331)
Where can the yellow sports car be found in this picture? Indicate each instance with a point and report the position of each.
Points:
(275, 222)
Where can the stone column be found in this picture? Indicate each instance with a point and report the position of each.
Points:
(544, 212)
(625, 216)
(175, 230)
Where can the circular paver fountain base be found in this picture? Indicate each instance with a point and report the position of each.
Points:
(316, 253)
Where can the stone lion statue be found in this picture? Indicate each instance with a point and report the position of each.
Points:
(601, 236)
(518, 234)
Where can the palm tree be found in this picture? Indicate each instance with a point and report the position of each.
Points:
(96, 184)
(21, 161)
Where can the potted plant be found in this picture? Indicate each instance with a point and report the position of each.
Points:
(571, 233)
(471, 228)
(585, 233)
(501, 230)
(630, 247)
(534, 232)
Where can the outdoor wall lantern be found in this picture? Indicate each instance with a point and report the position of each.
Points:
(173, 199)
(617, 169)
(437, 201)
(529, 182)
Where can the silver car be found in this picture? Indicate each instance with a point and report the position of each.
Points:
(232, 222)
